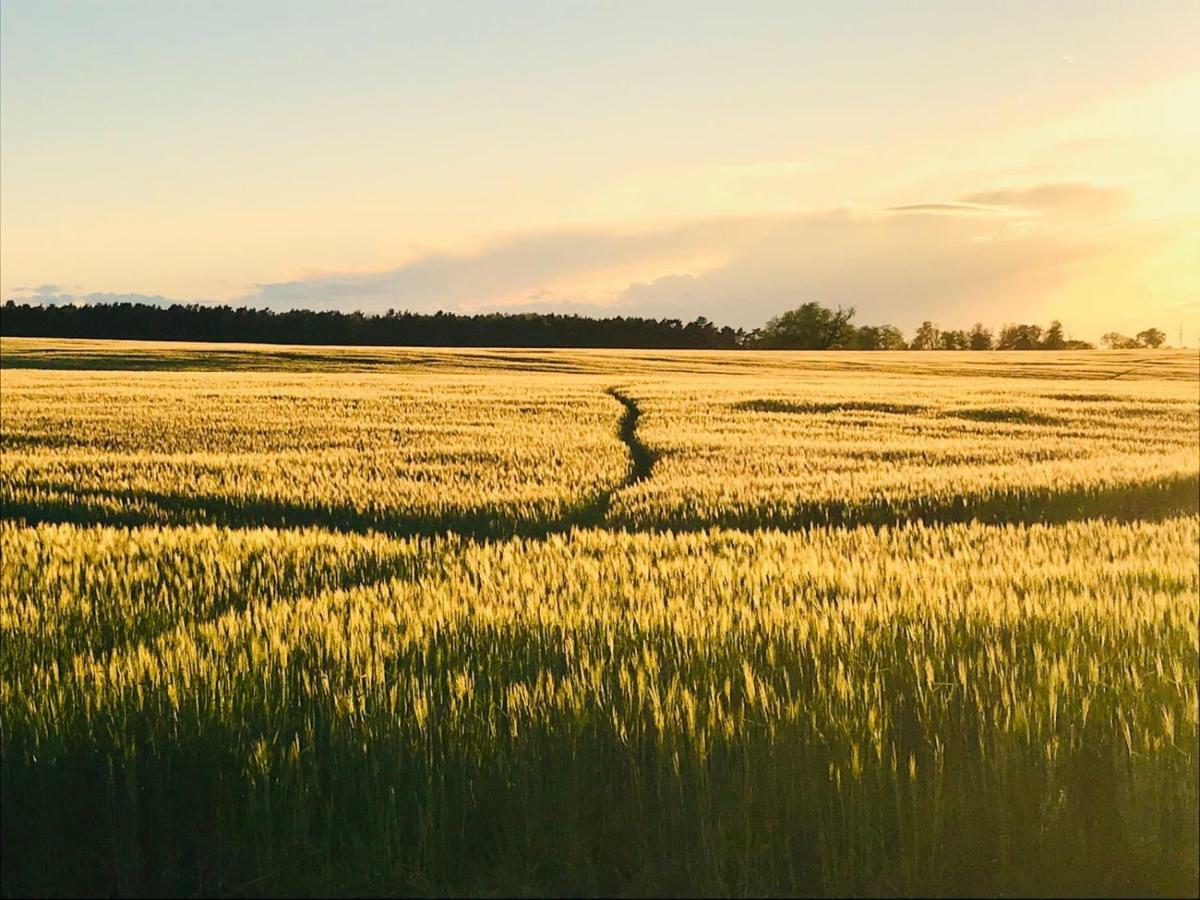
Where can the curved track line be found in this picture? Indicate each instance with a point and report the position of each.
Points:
(641, 457)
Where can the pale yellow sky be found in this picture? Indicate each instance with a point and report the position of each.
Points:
(624, 161)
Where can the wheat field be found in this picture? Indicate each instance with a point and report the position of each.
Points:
(314, 620)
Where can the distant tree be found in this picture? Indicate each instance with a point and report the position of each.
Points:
(925, 337)
(1114, 340)
(865, 337)
(1054, 338)
(809, 327)
(954, 340)
(733, 337)
(1020, 337)
(1078, 345)
(195, 322)
(891, 338)
(702, 333)
(877, 337)
(980, 337)
(1152, 338)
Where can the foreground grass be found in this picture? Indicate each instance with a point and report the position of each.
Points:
(922, 709)
(238, 668)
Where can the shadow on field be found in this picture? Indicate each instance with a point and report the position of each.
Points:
(1082, 397)
(265, 358)
(137, 508)
(211, 813)
(1149, 501)
(1003, 414)
(66, 503)
(827, 407)
(1012, 416)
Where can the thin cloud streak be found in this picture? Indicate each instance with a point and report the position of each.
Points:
(994, 254)
(1075, 197)
(1000, 250)
(518, 267)
(946, 208)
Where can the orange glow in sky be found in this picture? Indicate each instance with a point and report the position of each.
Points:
(952, 163)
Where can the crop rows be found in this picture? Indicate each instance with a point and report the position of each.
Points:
(441, 453)
(696, 624)
(499, 454)
(981, 697)
(752, 453)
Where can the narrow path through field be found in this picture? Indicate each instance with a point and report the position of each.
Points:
(1148, 501)
(639, 453)
(1141, 365)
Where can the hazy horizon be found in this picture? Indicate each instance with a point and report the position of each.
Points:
(951, 164)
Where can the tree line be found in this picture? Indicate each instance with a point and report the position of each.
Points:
(816, 327)
(810, 326)
(197, 322)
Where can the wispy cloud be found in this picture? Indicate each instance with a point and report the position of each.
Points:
(1073, 197)
(993, 254)
(57, 295)
(996, 249)
(899, 269)
(511, 269)
(945, 208)
(1059, 198)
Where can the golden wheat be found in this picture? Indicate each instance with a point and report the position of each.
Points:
(756, 451)
(494, 451)
(342, 450)
(497, 639)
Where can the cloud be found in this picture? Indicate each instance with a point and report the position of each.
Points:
(1039, 252)
(1066, 197)
(40, 291)
(892, 269)
(55, 295)
(992, 262)
(505, 272)
(1032, 253)
(943, 208)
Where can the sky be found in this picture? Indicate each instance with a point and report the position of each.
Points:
(952, 161)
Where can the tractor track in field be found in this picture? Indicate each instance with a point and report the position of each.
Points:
(1150, 502)
(641, 457)
(1141, 364)
(92, 507)
(594, 513)
(1138, 502)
